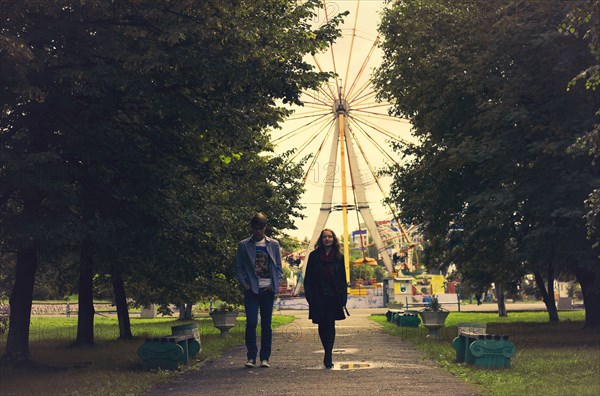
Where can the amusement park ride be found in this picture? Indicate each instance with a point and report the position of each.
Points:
(345, 114)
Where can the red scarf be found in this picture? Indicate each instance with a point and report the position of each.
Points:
(326, 258)
(327, 263)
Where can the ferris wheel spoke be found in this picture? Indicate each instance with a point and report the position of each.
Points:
(372, 105)
(374, 142)
(374, 114)
(331, 49)
(375, 105)
(308, 115)
(316, 105)
(361, 123)
(381, 116)
(347, 75)
(363, 97)
(318, 152)
(331, 94)
(296, 131)
(363, 67)
(316, 97)
(382, 130)
(324, 125)
(366, 158)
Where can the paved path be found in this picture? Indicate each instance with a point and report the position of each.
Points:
(396, 367)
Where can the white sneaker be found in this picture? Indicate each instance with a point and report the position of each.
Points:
(250, 364)
(265, 363)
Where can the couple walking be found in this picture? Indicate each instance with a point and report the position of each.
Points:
(259, 271)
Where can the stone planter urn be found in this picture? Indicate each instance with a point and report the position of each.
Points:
(224, 320)
(434, 317)
(434, 320)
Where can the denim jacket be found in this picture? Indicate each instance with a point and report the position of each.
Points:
(245, 260)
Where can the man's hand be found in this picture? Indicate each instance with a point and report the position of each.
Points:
(246, 287)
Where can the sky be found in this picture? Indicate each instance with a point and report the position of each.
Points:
(311, 127)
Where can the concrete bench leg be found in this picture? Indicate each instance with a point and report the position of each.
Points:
(163, 355)
(185, 356)
(194, 348)
(492, 354)
(459, 345)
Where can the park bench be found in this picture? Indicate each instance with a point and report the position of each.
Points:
(392, 313)
(406, 318)
(168, 351)
(474, 346)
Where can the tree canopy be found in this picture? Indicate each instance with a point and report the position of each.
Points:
(492, 178)
(583, 21)
(134, 138)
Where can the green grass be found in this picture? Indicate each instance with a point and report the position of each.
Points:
(552, 358)
(112, 366)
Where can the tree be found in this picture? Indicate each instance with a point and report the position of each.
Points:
(483, 84)
(583, 21)
(361, 272)
(155, 116)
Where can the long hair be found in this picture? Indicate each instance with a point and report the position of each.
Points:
(337, 251)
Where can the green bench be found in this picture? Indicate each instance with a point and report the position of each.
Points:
(474, 346)
(406, 318)
(392, 313)
(168, 351)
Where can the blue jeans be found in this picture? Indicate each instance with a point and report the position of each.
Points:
(253, 302)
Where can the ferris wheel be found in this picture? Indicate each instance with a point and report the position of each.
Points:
(344, 134)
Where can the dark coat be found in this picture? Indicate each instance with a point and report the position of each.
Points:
(322, 308)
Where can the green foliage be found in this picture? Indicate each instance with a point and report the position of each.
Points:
(491, 178)
(583, 21)
(287, 273)
(363, 271)
(142, 132)
(220, 306)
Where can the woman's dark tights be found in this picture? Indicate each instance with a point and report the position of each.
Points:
(327, 335)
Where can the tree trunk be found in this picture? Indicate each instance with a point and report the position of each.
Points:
(589, 279)
(85, 315)
(121, 303)
(185, 311)
(547, 293)
(501, 301)
(17, 343)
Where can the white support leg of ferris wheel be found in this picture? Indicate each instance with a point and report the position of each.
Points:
(363, 205)
(326, 203)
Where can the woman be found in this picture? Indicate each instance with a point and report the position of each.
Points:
(326, 289)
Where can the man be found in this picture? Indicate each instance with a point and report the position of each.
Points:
(259, 271)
